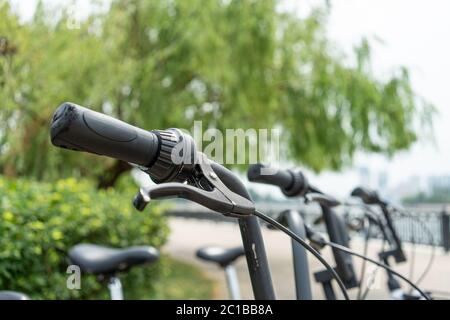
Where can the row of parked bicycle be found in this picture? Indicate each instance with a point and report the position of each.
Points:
(374, 221)
(180, 171)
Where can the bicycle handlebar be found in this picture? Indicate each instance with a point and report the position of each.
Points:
(81, 129)
(159, 154)
(366, 195)
(78, 128)
(371, 197)
(280, 178)
(291, 182)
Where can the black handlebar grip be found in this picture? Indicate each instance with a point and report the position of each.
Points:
(276, 177)
(366, 195)
(291, 182)
(78, 128)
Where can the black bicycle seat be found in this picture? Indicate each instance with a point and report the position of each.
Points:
(221, 256)
(97, 259)
(13, 295)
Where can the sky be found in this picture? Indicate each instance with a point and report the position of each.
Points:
(415, 34)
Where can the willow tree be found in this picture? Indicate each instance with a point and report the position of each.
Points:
(231, 64)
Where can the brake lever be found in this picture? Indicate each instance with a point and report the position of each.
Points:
(322, 199)
(219, 198)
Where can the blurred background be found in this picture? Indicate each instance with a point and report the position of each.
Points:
(357, 88)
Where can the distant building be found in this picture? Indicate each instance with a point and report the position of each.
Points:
(438, 184)
(410, 187)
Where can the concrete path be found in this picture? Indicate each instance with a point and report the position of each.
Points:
(187, 235)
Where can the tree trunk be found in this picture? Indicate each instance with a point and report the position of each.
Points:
(111, 175)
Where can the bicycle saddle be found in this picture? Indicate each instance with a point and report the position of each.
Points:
(221, 256)
(13, 295)
(97, 259)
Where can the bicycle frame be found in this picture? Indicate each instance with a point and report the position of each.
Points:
(344, 264)
(301, 268)
(255, 253)
(397, 252)
(252, 240)
(115, 288)
(232, 282)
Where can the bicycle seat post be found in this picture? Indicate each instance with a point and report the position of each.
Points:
(225, 259)
(115, 288)
(233, 282)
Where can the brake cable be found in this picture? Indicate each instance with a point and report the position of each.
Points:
(336, 246)
(308, 247)
(363, 266)
(368, 209)
(404, 214)
(345, 249)
(431, 239)
(369, 285)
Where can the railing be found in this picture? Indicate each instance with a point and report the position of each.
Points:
(428, 224)
(422, 224)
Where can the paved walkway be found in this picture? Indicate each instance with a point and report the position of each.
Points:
(187, 235)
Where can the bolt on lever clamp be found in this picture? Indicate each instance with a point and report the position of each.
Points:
(203, 187)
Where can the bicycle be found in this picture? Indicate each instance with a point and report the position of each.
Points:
(293, 183)
(171, 159)
(77, 128)
(389, 235)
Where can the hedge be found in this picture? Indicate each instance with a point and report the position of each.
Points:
(39, 222)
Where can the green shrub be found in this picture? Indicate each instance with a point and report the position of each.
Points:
(39, 222)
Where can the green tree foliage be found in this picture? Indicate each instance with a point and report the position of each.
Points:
(231, 64)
